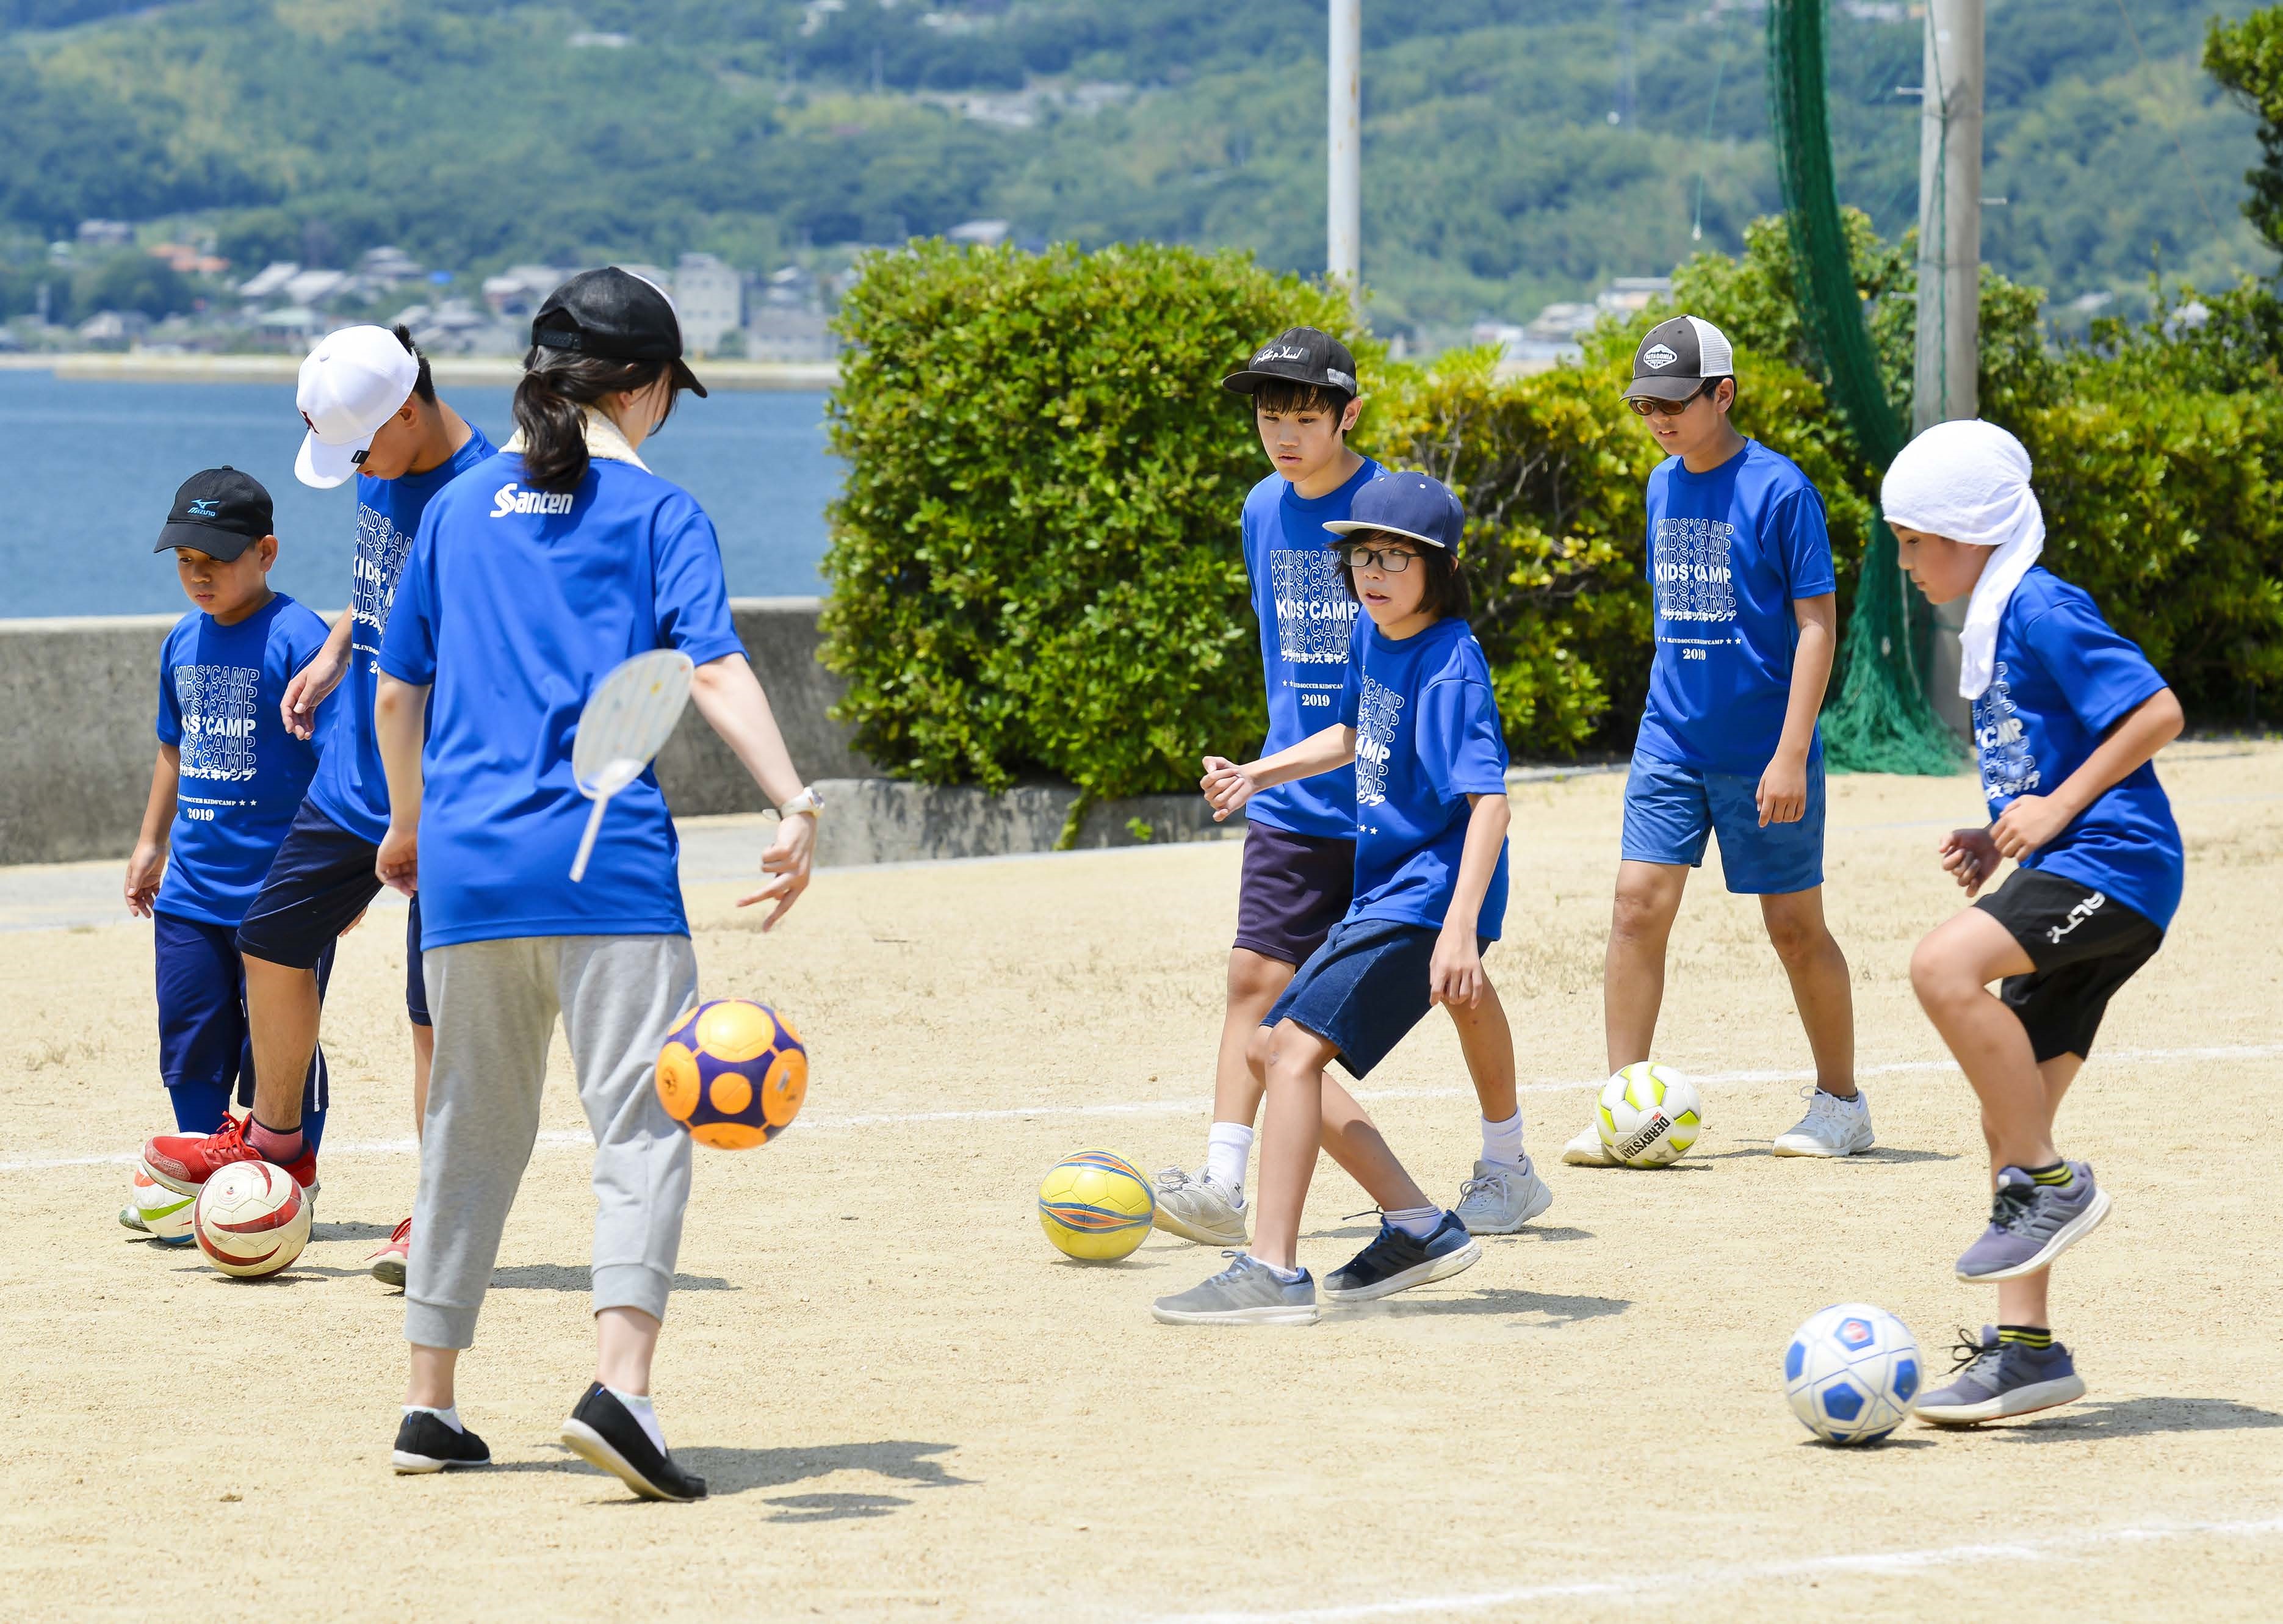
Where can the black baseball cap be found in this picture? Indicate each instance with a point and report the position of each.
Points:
(616, 315)
(220, 512)
(1677, 356)
(1298, 356)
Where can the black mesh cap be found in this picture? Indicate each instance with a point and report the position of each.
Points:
(1298, 355)
(618, 316)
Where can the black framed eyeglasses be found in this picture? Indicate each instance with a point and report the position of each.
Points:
(1356, 555)
(1644, 406)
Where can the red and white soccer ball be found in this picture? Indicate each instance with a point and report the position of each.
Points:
(251, 1219)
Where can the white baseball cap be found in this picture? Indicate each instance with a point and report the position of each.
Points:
(353, 382)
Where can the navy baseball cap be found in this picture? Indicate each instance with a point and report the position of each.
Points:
(616, 315)
(1298, 356)
(220, 512)
(1407, 504)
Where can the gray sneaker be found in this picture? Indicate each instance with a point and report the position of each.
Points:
(1499, 1199)
(1994, 1379)
(2032, 1224)
(1247, 1293)
(1202, 1209)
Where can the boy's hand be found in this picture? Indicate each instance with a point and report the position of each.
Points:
(787, 862)
(144, 869)
(1782, 794)
(2031, 822)
(1226, 785)
(1970, 856)
(307, 691)
(398, 863)
(1454, 975)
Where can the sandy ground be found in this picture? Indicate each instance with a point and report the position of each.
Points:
(909, 1406)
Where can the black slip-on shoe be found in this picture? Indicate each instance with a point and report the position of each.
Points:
(601, 1434)
(424, 1443)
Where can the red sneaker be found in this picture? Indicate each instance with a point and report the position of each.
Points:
(388, 1262)
(185, 1162)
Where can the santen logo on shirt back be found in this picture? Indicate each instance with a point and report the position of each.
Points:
(509, 500)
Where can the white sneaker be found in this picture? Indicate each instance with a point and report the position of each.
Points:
(1587, 1150)
(1831, 1127)
(1202, 1209)
(1499, 1199)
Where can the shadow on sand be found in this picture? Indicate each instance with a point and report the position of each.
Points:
(2139, 1417)
(1544, 1307)
(736, 1472)
(575, 1277)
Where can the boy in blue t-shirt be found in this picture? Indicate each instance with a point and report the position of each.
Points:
(223, 794)
(1418, 721)
(2067, 717)
(1299, 842)
(1747, 626)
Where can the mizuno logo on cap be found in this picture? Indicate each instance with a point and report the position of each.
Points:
(1659, 357)
(204, 508)
(509, 500)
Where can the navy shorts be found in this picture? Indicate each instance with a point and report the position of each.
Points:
(2083, 946)
(1295, 887)
(202, 1031)
(1364, 989)
(321, 879)
(1672, 811)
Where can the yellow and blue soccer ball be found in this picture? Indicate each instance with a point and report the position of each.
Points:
(1852, 1373)
(1649, 1115)
(1096, 1206)
(734, 1074)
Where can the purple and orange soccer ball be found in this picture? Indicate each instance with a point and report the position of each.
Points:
(734, 1074)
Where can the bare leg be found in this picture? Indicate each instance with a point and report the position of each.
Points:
(2024, 1301)
(424, 1057)
(1255, 982)
(1632, 971)
(1950, 971)
(625, 1340)
(281, 1009)
(1487, 1040)
(1819, 987)
(1353, 1140)
(433, 1370)
(1289, 1062)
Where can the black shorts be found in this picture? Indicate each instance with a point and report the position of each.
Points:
(2084, 945)
(321, 879)
(1295, 887)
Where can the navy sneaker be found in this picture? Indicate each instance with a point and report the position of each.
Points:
(601, 1432)
(426, 1442)
(1396, 1262)
(2032, 1224)
(1994, 1379)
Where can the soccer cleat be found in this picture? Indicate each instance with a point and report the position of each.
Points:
(601, 1432)
(1202, 1209)
(1831, 1127)
(2032, 1224)
(1994, 1379)
(185, 1162)
(388, 1262)
(1247, 1293)
(426, 1442)
(1587, 1150)
(1396, 1262)
(1499, 1199)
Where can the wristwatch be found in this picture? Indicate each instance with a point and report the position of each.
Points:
(808, 801)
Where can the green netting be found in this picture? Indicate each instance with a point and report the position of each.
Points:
(1877, 718)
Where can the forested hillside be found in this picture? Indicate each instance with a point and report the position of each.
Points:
(1516, 151)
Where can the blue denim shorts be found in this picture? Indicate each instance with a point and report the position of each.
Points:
(1672, 811)
(1364, 989)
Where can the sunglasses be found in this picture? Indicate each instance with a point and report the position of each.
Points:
(1644, 407)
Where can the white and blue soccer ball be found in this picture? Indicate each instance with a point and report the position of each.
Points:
(1852, 1373)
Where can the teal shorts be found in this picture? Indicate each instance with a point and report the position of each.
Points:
(1671, 811)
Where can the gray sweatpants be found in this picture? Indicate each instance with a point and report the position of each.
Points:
(494, 1004)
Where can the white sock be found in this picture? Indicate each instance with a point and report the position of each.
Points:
(1226, 1147)
(641, 1409)
(1417, 1221)
(1502, 1142)
(1288, 1276)
(449, 1417)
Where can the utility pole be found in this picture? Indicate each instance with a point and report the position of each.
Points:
(1344, 190)
(1950, 270)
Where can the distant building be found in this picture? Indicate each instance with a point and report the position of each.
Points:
(387, 267)
(310, 287)
(981, 233)
(188, 259)
(710, 298)
(105, 233)
(113, 329)
(778, 333)
(520, 290)
(268, 280)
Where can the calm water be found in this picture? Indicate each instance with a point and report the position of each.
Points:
(87, 471)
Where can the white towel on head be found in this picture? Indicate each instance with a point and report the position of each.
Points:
(1969, 480)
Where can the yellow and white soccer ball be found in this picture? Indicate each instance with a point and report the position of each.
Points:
(1648, 1116)
(1096, 1206)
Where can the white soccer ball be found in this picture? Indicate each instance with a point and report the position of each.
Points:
(166, 1215)
(1852, 1373)
(251, 1219)
(1649, 1115)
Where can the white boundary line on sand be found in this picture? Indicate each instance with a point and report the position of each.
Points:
(1873, 1563)
(1183, 1107)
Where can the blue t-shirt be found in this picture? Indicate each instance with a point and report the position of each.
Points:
(2062, 678)
(1306, 621)
(243, 775)
(1728, 551)
(1427, 736)
(350, 787)
(514, 604)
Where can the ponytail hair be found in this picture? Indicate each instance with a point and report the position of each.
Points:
(557, 385)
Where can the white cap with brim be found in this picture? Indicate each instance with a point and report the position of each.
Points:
(352, 383)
